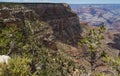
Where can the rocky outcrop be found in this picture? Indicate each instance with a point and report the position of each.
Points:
(63, 21)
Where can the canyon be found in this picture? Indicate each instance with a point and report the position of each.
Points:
(50, 31)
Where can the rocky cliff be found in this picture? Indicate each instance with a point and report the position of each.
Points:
(64, 23)
(60, 17)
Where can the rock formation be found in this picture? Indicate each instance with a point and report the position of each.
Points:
(63, 22)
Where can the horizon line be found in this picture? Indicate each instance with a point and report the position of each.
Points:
(60, 3)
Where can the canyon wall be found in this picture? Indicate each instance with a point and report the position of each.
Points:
(63, 22)
(60, 17)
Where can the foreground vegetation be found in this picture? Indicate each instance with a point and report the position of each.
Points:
(92, 43)
(30, 57)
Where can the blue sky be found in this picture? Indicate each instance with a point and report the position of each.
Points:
(69, 1)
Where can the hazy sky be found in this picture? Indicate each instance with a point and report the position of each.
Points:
(69, 1)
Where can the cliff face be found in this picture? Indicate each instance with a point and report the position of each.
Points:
(56, 21)
(64, 23)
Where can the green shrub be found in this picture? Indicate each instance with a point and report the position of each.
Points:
(114, 63)
(92, 42)
(18, 66)
(99, 74)
(10, 37)
(50, 63)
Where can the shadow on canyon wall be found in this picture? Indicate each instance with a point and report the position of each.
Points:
(116, 42)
